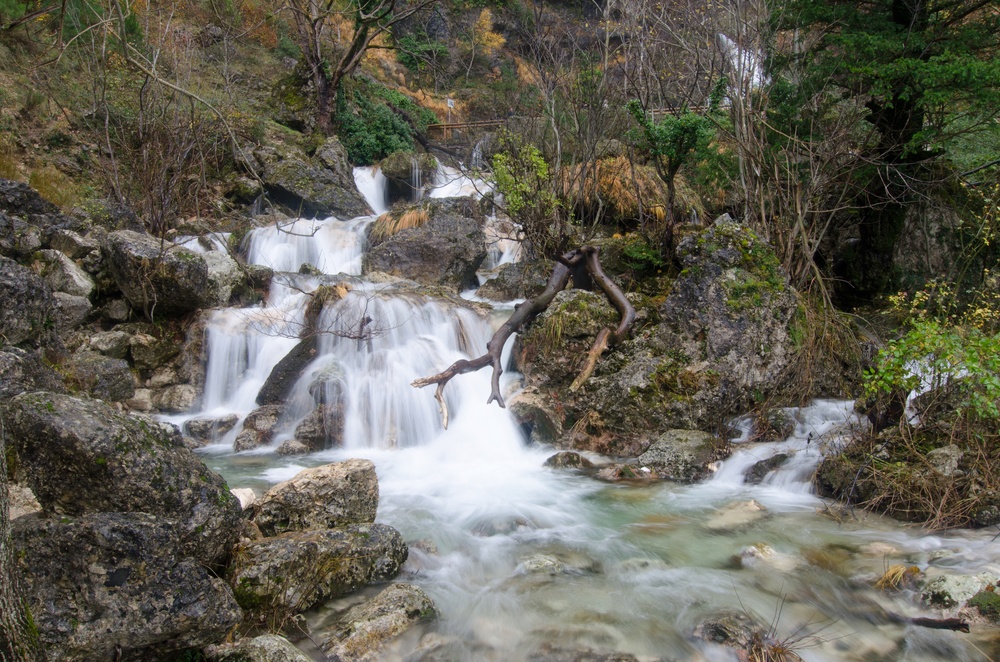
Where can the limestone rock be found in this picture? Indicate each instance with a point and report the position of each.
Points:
(163, 278)
(517, 280)
(21, 501)
(26, 313)
(22, 370)
(323, 497)
(100, 376)
(109, 580)
(62, 275)
(738, 515)
(176, 399)
(112, 343)
(292, 572)
(445, 251)
(258, 427)
(755, 475)
(366, 628)
(323, 428)
(951, 591)
(568, 460)
(309, 188)
(150, 352)
(72, 245)
(82, 456)
(69, 311)
(246, 496)
(207, 430)
(265, 648)
(292, 447)
(683, 455)
(287, 371)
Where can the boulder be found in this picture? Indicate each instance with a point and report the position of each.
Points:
(950, 591)
(176, 399)
(406, 175)
(309, 188)
(207, 430)
(684, 456)
(277, 577)
(22, 371)
(568, 460)
(265, 648)
(293, 447)
(258, 427)
(755, 474)
(323, 497)
(108, 581)
(287, 371)
(72, 245)
(539, 414)
(69, 311)
(100, 376)
(27, 310)
(150, 352)
(517, 280)
(246, 496)
(62, 275)
(323, 428)
(737, 515)
(366, 628)
(81, 456)
(21, 501)
(112, 343)
(445, 251)
(159, 277)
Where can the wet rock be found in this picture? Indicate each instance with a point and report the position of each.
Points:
(323, 428)
(109, 580)
(950, 591)
(207, 430)
(756, 474)
(537, 413)
(616, 472)
(62, 275)
(309, 188)
(265, 648)
(517, 280)
(166, 279)
(445, 251)
(288, 370)
(366, 628)
(26, 313)
(684, 456)
(320, 498)
(402, 171)
(100, 376)
(258, 428)
(22, 370)
(82, 456)
(290, 573)
(176, 399)
(733, 629)
(764, 556)
(734, 516)
(568, 460)
(293, 447)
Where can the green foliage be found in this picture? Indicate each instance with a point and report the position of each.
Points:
(988, 604)
(522, 176)
(672, 139)
(417, 50)
(287, 47)
(964, 359)
(11, 10)
(640, 257)
(372, 126)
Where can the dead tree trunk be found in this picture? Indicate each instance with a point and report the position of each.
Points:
(577, 264)
(18, 636)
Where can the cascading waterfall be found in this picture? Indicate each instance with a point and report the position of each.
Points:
(516, 555)
(416, 180)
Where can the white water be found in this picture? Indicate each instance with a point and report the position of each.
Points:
(527, 556)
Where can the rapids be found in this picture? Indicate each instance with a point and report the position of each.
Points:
(516, 555)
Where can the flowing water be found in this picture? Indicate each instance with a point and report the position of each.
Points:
(516, 555)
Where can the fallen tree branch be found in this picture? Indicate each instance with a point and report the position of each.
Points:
(566, 266)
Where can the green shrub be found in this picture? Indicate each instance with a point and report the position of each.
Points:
(417, 49)
(373, 125)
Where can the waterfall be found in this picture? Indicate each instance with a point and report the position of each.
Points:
(416, 177)
(372, 186)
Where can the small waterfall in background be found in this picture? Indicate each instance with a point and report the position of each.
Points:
(371, 184)
(517, 556)
(416, 180)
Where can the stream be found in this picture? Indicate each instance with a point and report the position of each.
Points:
(516, 555)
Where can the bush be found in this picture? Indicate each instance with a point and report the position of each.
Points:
(374, 124)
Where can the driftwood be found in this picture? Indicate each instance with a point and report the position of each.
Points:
(582, 265)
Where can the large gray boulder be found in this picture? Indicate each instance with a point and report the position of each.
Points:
(277, 577)
(81, 456)
(444, 251)
(106, 582)
(683, 455)
(320, 187)
(258, 428)
(365, 629)
(162, 278)
(61, 274)
(22, 371)
(100, 376)
(27, 310)
(323, 497)
(287, 371)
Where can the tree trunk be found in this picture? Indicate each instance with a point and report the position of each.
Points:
(18, 636)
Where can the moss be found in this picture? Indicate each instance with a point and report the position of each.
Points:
(988, 604)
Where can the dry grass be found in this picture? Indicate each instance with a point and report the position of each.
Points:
(391, 223)
(8, 162)
(896, 577)
(54, 186)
